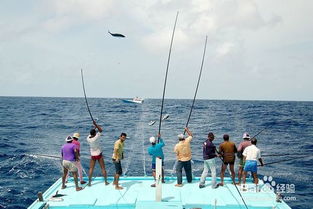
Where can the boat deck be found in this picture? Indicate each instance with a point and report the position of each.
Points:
(138, 194)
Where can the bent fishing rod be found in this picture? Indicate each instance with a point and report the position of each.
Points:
(82, 75)
(196, 91)
(167, 67)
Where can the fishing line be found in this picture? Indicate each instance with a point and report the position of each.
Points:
(167, 67)
(81, 71)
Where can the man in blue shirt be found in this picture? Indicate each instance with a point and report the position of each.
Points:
(156, 151)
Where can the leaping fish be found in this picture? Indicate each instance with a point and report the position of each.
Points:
(117, 35)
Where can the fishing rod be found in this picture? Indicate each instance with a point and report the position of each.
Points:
(284, 160)
(167, 67)
(196, 91)
(281, 155)
(81, 71)
(266, 127)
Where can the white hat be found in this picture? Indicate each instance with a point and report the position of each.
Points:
(180, 136)
(152, 140)
(246, 135)
(68, 139)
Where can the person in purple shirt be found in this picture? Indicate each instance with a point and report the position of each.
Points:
(69, 156)
(209, 154)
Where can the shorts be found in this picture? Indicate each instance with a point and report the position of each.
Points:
(97, 157)
(69, 165)
(118, 167)
(153, 165)
(230, 163)
(251, 165)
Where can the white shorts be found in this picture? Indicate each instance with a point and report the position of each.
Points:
(69, 165)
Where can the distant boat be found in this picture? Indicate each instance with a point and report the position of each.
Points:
(137, 100)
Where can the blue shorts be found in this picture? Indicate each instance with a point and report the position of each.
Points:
(251, 165)
(153, 165)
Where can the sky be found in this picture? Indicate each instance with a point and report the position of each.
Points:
(256, 50)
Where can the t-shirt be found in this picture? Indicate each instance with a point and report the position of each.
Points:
(118, 150)
(208, 150)
(252, 153)
(183, 150)
(156, 150)
(228, 150)
(68, 151)
(77, 143)
(95, 148)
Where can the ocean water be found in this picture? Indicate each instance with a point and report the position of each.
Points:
(33, 126)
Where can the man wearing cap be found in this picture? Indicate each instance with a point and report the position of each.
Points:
(77, 162)
(118, 155)
(227, 149)
(242, 146)
(156, 151)
(96, 153)
(209, 154)
(251, 155)
(69, 155)
(183, 155)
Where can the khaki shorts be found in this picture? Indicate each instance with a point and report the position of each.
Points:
(69, 165)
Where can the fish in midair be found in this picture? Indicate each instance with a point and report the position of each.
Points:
(118, 35)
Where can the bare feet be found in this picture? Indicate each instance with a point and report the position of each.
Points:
(63, 187)
(78, 188)
(83, 182)
(89, 184)
(178, 185)
(221, 184)
(152, 185)
(118, 187)
(106, 183)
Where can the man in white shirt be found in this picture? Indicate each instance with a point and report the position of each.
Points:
(251, 156)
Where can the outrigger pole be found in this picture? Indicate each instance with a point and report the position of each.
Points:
(194, 98)
(167, 67)
(81, 71)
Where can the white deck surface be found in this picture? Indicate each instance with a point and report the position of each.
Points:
(138, 194)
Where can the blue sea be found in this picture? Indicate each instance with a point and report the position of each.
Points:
(32, 126)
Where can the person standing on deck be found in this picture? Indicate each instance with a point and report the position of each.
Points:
(227, 150)
(183, 155)
(251, 155)
(77, 162)
(69, 155)
(118, 155)
(209, 154)
(96, 153)
(156, 151)
(241, 148)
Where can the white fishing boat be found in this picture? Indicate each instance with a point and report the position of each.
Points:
(137, 100)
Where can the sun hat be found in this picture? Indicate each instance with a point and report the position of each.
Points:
(68, 139)
(152, 139)
(76, 135)
(246, 135)
(180, 136)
